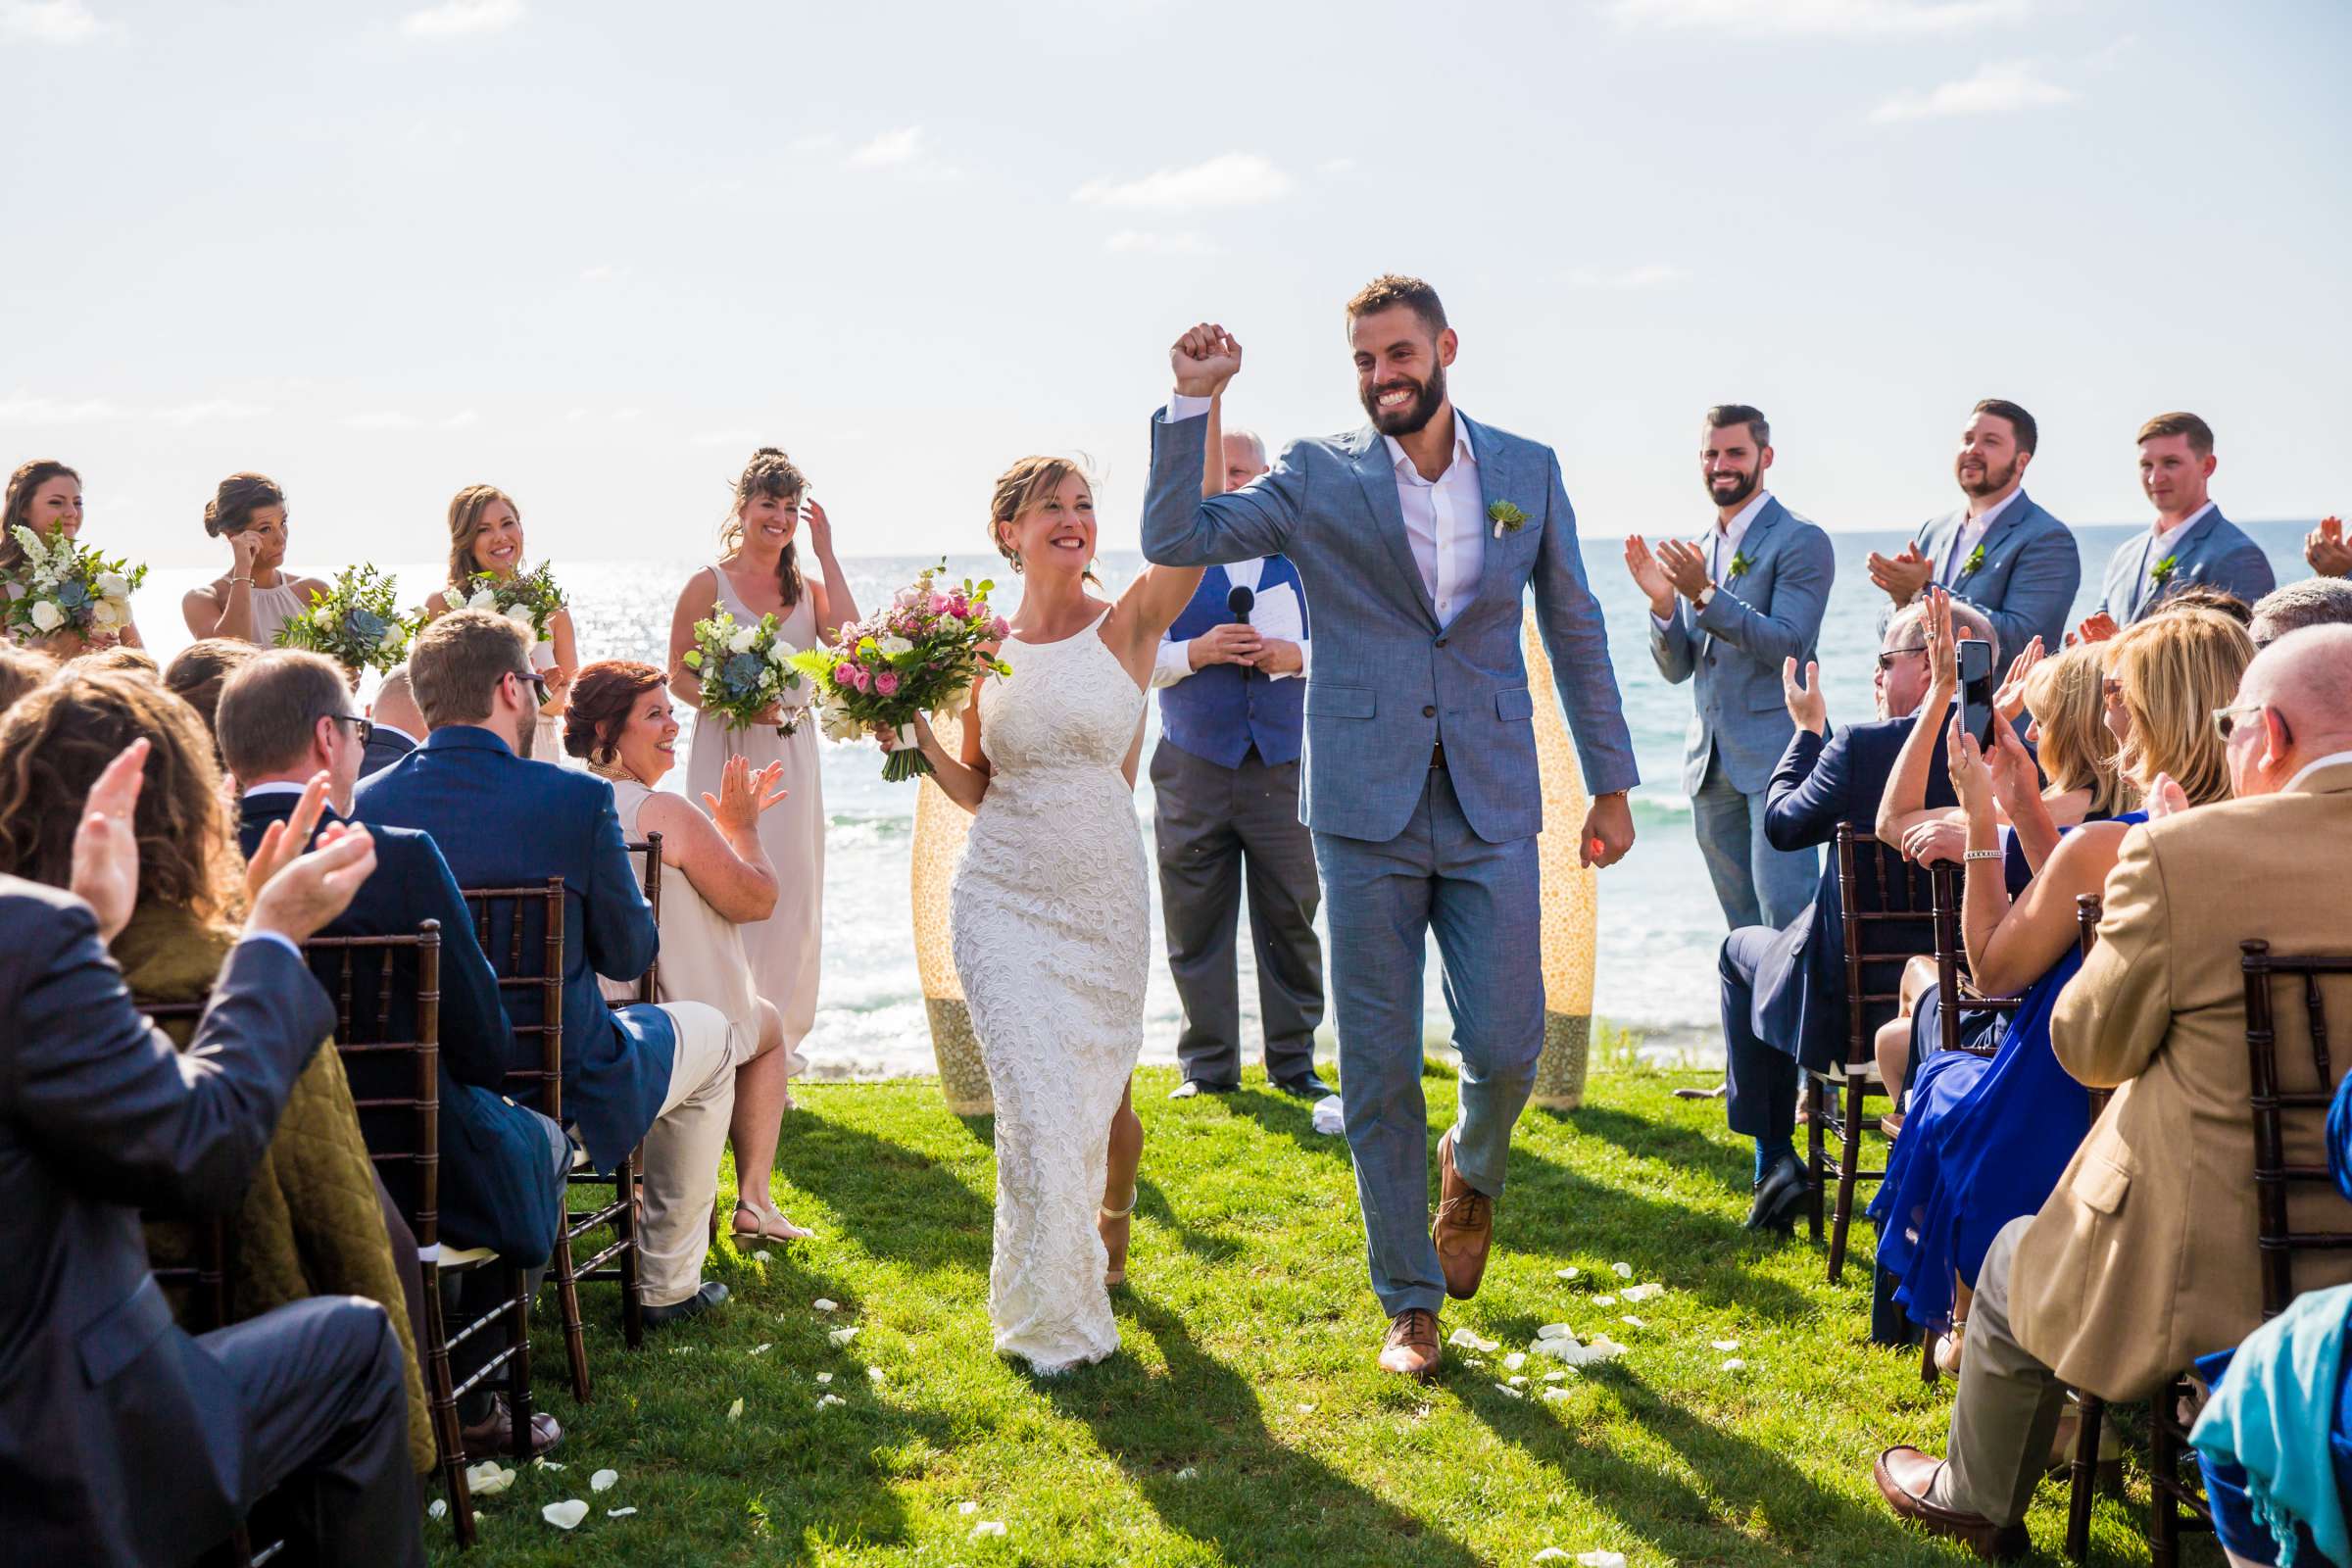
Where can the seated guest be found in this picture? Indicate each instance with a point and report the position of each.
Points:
(310, 1222)
(2143, 1258)
(663, 1076)
(117, 657)
(1985, 1138)
(398, 724)
(21, 671)
(1783, 991)
(198, 672)
(284, 719)
(2313, 602)
(618, 721)
(162, 1460)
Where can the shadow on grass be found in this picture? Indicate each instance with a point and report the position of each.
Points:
(1253, 1498)
(899, 1203)
(1680, 1147)
(1209, 1246)
(1287, 1116)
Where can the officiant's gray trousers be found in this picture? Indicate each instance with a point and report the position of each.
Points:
(1383, 901)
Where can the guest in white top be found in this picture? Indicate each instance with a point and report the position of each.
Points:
(619, 724)
(257, 595)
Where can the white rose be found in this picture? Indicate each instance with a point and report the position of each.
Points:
(891, 647)
(324, 618)
(112, 585)
(741, 642)
(46, 617)
(103, 614)
(520, 616)
(390, 640)
(779, 653)
(482, 600)
(838, 724)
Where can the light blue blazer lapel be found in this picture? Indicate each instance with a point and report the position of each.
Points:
(2008, 520)
(1377, 476)
(1498, 479)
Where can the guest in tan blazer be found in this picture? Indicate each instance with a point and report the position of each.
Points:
(2144, 1256)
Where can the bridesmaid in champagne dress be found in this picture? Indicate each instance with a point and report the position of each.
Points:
(485, 534)
(257, 595)
(759, 572)
(45, 496)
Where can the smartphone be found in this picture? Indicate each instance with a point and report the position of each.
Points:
(1977, 714)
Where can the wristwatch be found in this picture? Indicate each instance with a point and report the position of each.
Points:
(1704, 597)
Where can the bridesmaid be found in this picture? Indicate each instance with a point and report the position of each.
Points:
(485, 534)
(257, 596)
(759, 572)
(45, 496)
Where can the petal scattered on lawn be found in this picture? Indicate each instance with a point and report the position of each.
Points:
(1515, 1360)
(967, 1507)
(1555, 1393)
(1567, 1273)
(1642, 1293)
(873, 1374)
(830, 1398)
(1551, 1554)
(1604, 1300)
(1624, 1271)
(1307, 1409)
(603, 1480)
(1468, 1339)
(1633, 1322)
(1518, 1383)
(488, 1479)
(823, 1305)
(564, 1515)
(545, 1464)
(988, 1527)
(618, 1514)
(1555, 1377)
(1600, 1559)
(1507, 1392)
(439, 1509)
(824, 1377)
(760, 1258)
(762, 1350)
(842, 1336)
(1722, 1345)
(681, 1350)
(735, 1412)
(1555, 1331)
(1188, 1473)
(1734, 1364)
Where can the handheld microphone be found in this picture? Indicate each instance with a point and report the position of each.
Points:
(1238, 603)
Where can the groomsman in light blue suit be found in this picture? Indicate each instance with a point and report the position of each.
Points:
(1723, 616)
(1417, 538)
(2001, 554)
(2190, 541)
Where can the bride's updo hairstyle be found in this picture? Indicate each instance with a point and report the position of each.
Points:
(466, 510)
(602, 696)
(1025, 484)
(773, 475)
(231, 509)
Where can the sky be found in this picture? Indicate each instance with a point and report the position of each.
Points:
(594, 253)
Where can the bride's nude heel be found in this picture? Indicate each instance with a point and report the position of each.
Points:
(1115, 1275)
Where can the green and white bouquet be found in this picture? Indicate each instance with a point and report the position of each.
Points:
(745, 671)
(356, 623)
(68, 587)
(528, 599)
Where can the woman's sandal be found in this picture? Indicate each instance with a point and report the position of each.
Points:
(767, 1227)
(1115, 1275)
(1955, 1344)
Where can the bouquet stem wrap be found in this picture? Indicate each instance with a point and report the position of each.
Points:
(907, 760)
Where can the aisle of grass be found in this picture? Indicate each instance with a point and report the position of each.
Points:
(1243, 1423)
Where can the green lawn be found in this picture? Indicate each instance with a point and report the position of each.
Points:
(1243, 1422)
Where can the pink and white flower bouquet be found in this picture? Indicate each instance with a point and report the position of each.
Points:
(921, 652)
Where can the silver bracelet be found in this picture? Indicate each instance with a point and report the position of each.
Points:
(247, 581)
(1984, 854)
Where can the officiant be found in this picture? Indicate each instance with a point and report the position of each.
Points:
(1232, 681)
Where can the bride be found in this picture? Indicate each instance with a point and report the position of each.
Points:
(1049, 913)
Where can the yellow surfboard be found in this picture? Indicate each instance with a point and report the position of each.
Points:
(940, 828)
(1571, 897)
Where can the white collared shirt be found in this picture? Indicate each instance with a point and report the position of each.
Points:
(2166, 536)
(1175, 660)
(1442, 519)
(2332, 759)
(274, 787)
(1971, 535)
(1723, 544)
(383, 728)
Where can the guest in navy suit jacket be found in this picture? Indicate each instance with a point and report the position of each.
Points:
(396, 722)
(662, 1075)
(1783, 991)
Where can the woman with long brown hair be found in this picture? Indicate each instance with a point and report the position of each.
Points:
(759, 573)
(45, 496)
(485, 535)
(257, 595)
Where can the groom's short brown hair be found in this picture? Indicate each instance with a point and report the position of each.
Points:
(1391, 289)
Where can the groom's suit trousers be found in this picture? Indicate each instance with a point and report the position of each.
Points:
(1384, 899)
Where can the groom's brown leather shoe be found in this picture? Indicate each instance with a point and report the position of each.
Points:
(1464, 1228)
(1411, 1347)
(1904, 1475)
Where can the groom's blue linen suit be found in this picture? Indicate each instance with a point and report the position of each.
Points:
(1420, 781)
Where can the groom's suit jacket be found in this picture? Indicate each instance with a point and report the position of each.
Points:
(1389, 683)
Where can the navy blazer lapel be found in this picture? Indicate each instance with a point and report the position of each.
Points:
(1375, 472)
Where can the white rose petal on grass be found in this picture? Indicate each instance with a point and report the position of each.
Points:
(735, 1412)
(603, 1480)
(1515, 1360)
(488, 1479)
(1633, 1322)
(1624, 1271)
(1469, 1340)
(439, 1509)
(545, 1464)
(873, 1374)
(1555, 1377)
(1734, 1364)
(1722, 1345)
(823, 1305)
(1551, 1554)
(830, 1399)
(1600, 1559)
(1518, 1383)
(565, 1514)
(824, 1377)
(1555, 1331)
(618, 1514)
(842, 1336)
(1642, 1293)
(1554, 1393)
(762, 1350)
(1604, 1300)
(1507, 1392)
(967, 1507)
(1567, 1273)
(1188, 1473)
(988, 1527)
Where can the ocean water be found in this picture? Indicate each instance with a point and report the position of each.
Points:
(1659, 924)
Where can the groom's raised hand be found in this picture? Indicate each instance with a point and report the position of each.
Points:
(1204, 359)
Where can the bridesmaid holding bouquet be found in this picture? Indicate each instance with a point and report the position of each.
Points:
(45, 497)
(485, 540)
(759, 573)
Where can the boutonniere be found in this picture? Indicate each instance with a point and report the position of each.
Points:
(1739, 565)
(1506, 518)
(1974, 561)
(2161, 572)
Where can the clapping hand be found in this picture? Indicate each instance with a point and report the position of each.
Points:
(1944, 654)
(1684, 565)
(1649, 575)
(283, 841)
(2326, 551)
(2096, 629)
(105, 871)
(1204, 359)
(2010, 700)
(2166, 798)
(2016, 777)
(1902, 575)
(744, 795)
(1806, 703)
(292, 893)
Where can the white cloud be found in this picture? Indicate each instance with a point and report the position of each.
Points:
(208, 410)
(382, 420)
(1154, 242)
(823, 141)
(891, 150)
(464, 418)
(27, 408)
(627, 415)
(1336, 166)
(51, 20)
(1995, 89)
(1650, 274)
(1817, 16)
(458, 19)
(604, 273)
(1233, 179)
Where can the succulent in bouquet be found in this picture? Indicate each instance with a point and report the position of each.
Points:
(745, 671)
(356, 623)
(70, 588)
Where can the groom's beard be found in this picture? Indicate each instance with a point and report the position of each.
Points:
(1738, 494)
(1410, 417)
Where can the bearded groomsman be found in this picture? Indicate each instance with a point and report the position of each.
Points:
(1724, 614)
(2190, 541)
(1232, 683)
(2000, 554)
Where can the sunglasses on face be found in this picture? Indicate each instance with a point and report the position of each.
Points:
(1887, 660)
(2225, 719)
(364, 727)
(533, 678)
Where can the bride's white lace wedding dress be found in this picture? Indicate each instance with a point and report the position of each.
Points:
(1050, 937)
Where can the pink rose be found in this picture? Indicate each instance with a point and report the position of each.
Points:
(1000, 628)
(958, 606)
(887, 683)
(853, 676)
(938, 604)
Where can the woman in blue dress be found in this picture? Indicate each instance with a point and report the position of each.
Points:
(1985, 1140)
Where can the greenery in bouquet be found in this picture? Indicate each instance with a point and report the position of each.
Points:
(356, 623)
(528, 598)
(68, 587)
(745, 670)
(922, 653)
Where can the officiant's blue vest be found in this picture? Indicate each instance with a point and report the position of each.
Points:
(1217, 712)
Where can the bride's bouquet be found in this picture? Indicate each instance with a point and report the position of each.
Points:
(919, 654)
(356, 623)
(745, 670)
(528, 599)
(70, 588)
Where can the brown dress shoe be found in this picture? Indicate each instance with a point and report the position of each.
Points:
(493, 1436)
(1904, 1475)
(1411, 1347)
(1464, 1229)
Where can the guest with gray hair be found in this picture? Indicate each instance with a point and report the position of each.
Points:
(2313, 602)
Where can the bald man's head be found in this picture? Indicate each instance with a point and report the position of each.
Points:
(396, 705)
(2294, 706)
(1245, 458)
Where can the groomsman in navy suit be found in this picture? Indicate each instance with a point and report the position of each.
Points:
(1225, 779)
(1725, 616)
(2001, 554)
(397, 725)
(2190, 541)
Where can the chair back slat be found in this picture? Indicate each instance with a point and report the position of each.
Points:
(2280, 1238)
(402, 1130)
(512, 909)
(649, 984)
(1888, 908)
(1955, 986)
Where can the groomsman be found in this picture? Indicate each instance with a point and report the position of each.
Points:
(1725, 616)
(2000, 554)
(2190, 541)
(1232, 683)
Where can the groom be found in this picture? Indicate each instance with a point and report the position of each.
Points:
(1417, 538)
